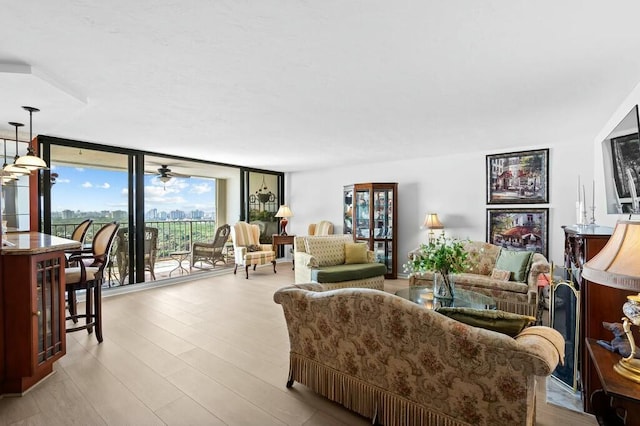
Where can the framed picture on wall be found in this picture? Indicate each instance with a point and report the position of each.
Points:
(518, 177)
(519, 229)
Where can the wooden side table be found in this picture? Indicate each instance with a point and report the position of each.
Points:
(281, 240)
(617, 402)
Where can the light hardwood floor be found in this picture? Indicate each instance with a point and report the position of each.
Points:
(207, 352)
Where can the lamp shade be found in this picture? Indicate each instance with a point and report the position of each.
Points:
(618, 263)
(431, 221)
(31, 162)
(284, 211)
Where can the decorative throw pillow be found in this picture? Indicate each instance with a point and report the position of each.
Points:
(253, 247)
(329, 250)
(517, 262)
(503, 322)
(355, 253)
(498, 274)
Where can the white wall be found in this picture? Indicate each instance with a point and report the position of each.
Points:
(452, 186)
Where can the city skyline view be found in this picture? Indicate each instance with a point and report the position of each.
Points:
(108, 191)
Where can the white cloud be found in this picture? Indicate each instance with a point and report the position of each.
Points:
(201, 188)
(63, 180)
(87, 185)
(105, 186)
(80, 169)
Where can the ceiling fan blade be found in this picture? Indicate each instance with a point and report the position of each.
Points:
(178, 175)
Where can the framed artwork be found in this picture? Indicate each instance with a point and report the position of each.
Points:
(519, 229)
(518, 177)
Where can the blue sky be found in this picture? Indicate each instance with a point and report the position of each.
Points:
(94, 189)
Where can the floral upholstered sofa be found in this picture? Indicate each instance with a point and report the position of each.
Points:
(517, 294)
(399, 363)
(327, 260)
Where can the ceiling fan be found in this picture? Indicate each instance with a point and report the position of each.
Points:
(165, 174)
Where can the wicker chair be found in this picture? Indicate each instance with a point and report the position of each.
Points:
(150, 252)
(213, 252)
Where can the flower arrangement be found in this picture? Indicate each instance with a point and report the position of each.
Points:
(442, 255)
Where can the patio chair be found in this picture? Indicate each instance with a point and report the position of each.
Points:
(213, 252)
(150, 252)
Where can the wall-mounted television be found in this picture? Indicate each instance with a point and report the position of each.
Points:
(621, 155)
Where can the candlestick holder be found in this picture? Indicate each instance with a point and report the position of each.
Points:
(593, 215)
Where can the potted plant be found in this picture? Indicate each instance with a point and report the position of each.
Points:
(443, 256)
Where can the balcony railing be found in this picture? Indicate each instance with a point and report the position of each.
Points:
(172, 235)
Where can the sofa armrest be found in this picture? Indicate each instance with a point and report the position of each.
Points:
(371, 256)
(239, 253)
(539, 266)
(548, 345)
(304, 264)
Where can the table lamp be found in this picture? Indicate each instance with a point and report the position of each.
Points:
(432, 222)
(284, 212)
(618, 265)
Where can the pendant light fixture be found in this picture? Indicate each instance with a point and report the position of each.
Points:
(31, 161)
(6, 176)
(14, 169)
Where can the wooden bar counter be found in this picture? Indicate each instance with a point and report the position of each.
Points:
(32, 308)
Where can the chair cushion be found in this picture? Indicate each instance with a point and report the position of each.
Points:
(259, 257)
(518, 262)
(355, 253)
(328, 251)
(500, 321)
(339, 273)
(72, 275)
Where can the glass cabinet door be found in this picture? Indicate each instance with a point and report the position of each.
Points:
(383, 227)
(347, 211)
(362, 213)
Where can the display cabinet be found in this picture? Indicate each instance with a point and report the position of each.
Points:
(33, 311)
(374, 220)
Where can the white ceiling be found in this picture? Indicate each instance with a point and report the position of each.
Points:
(291, 85)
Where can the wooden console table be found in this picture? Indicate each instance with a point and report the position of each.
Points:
(32, 308)
(280, 240)
(617, 402)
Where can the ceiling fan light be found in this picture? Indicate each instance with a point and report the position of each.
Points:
(164, 179)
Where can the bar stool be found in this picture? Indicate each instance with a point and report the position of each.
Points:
(89, 276)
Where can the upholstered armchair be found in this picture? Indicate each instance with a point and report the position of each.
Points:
(247, 248)
(324, 227)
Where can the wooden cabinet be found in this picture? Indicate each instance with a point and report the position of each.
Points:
(617, 401)
(598, 302)
(374, 221)
(33, 311)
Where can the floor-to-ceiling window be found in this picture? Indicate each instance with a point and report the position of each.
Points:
(164, 204)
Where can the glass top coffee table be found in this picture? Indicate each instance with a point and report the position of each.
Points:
(423, 295)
